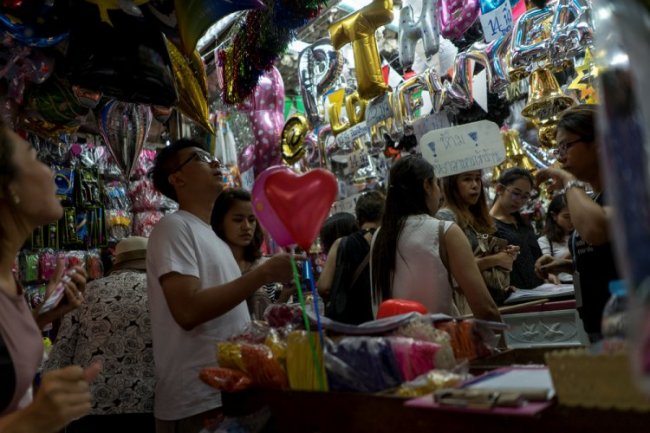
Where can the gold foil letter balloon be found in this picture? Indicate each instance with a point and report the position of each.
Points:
(359, 29)
(426, 28)
(355, 108)
(319, 65)
(293, 138)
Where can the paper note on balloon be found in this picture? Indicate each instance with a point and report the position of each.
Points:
(497, 22)
(378, 109)
(352, 133)
(348, 204)
(473, 146)
(430, 122)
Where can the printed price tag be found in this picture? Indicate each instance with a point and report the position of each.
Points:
(458, 149)
(497, 22)
(377, 110)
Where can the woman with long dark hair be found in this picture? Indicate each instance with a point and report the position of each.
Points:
(405, 254)
(233, 221)
(555, 236)
(466, 205)
(590, 247)
(513, 191)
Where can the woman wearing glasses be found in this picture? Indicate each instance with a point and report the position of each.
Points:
(590, 244)
(513, 192)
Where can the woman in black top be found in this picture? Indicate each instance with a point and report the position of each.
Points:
(513, 192)
(590, 247)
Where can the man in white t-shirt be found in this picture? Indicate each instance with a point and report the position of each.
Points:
(197, 294)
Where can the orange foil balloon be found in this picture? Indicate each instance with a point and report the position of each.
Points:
(191, 98)
(359, 30)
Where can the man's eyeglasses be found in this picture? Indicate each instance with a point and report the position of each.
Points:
(519, 195)
(201, 157)
(563, 148)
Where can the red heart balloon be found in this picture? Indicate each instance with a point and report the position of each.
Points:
(301, 202)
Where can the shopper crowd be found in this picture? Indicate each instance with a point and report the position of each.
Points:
(131, 345)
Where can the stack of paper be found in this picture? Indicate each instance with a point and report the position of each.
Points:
(540, 292)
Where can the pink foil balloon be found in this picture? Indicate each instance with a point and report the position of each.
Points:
(246, 158)
(456, 16)
(264, 211)
(265, 109)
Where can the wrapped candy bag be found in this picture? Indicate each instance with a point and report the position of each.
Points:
(431, 382)
(225, 379)
(263, 368)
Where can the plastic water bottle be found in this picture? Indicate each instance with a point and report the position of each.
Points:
(614, 325)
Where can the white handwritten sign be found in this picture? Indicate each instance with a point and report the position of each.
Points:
(458, 149)
(248, 179)
(378, 109)
(497, 22)
(352, 133)
(430, 122)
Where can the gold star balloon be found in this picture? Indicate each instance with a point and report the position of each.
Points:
(582, 83)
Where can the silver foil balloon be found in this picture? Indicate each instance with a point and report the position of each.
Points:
(319, 66)
(571, 30)
(529, 44)
(124, 127)
(410, 32)
(492, 57)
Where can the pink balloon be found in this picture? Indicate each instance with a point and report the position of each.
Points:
(456, 16)
(265, 109)
(246, 158)
(264, 211)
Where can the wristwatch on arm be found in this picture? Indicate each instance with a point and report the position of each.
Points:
(575, 183)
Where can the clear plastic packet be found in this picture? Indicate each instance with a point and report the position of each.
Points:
(431, 382)
(263, 368)
(415, 357)
(470, 339)
(364, 364)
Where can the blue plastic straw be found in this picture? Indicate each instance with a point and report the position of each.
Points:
(309, 275)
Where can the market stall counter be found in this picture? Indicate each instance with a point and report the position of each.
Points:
(300, 411)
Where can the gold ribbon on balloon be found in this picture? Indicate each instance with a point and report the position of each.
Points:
(191, 99)
(294, 133)
(359, 29)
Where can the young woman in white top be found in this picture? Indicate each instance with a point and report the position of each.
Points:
(555, 240)
(405, 259)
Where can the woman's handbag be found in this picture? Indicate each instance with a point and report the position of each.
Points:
(497, 279)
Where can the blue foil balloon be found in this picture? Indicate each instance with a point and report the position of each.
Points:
(490, 5)
(26, 35)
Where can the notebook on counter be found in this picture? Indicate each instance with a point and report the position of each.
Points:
(540, 292)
